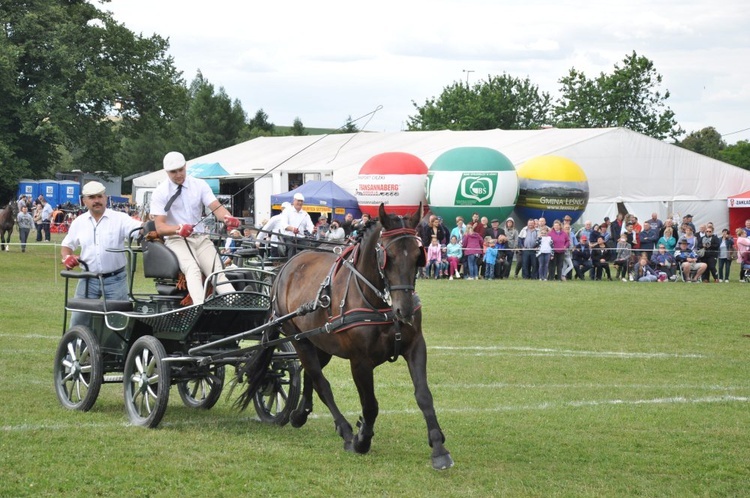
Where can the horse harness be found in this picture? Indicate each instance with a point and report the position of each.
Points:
(370, 315)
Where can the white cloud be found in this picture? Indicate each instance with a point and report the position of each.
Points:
(324, 61)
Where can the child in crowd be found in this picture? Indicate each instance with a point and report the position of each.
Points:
(622, 257)
(743, 251)
(490, 257)
(434, 257)
(643, 271)
(544, 253)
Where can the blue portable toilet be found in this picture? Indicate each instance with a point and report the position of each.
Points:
(50, 189)
(29, 188)
(70, 191)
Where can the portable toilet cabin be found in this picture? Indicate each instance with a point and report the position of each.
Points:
(70, 191)
(29, 188)
(50, 189)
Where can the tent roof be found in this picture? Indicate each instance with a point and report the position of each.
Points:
(321, 193)
(621, 165)
(206, 170)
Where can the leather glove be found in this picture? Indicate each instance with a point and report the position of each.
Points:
(70, 261)
(231, 222)
(185, 230)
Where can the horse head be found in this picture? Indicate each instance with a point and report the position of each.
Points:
(399, 255)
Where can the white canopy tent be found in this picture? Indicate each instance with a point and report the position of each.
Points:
(622, 166)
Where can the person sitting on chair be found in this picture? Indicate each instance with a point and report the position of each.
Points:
(177, 206)
(688, 261)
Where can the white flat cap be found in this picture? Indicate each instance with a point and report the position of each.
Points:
(93, 188)
(173, 160)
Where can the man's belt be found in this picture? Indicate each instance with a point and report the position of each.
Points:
(113, 273)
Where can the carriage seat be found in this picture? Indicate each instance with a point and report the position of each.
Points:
(161, 264)
(239, 278)
(97, 305)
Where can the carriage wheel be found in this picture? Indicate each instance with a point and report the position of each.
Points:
(203, 392)
(146, 382)
(279, 394)
(78, 369)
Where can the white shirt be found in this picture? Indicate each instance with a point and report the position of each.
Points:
(298, 219)
(188, 208)
(276, 224)
(47, 212)
(95, 238)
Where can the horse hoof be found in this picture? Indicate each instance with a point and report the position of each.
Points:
(362, 445)
(442, 462)
(348, 446)
(298, 419)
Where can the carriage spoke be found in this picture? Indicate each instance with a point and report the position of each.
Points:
(72, 351)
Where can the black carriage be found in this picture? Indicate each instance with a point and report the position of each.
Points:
(148, 343)
(359, 304)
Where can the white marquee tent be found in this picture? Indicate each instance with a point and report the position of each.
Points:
(622, 166)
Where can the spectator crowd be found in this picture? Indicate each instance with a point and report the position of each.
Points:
(623, 249)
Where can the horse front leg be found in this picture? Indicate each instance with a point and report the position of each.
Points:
(362, 373)
(416, 359)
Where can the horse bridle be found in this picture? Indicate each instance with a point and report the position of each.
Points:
(390, 237)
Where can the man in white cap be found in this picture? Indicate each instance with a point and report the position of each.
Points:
(96, 232)
(273, 228)
(297, 222)
(177, 206)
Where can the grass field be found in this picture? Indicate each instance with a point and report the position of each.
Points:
(542, 389)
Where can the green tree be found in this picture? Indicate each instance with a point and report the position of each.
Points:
(71, 78)
(349, 126)
(298, 129)
(504, 102)
(261, 124)
(707, 141)
(737, 154)
(211, 121)
(629, 97)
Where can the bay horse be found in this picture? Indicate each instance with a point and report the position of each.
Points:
(7, 220)
(360, 305)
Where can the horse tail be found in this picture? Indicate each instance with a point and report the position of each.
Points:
(254, 370)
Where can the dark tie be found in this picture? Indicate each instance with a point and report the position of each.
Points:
(173, 198)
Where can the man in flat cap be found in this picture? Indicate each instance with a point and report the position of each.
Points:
(177, 206)
(297, 224)
(95, 232)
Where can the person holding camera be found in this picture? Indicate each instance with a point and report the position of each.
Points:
(335, 233)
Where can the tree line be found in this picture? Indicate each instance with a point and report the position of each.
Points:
(78, 90)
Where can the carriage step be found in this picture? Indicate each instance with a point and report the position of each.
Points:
(113, 378)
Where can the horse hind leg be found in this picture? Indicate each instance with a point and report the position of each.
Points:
(312, 365)
(299, 415)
